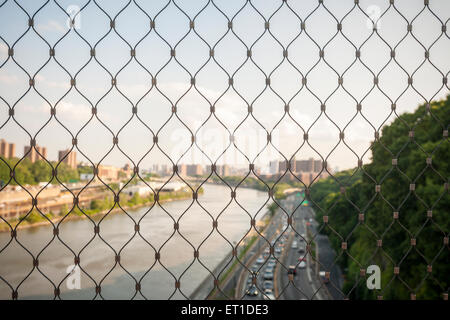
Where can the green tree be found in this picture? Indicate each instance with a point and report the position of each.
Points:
(412, 188)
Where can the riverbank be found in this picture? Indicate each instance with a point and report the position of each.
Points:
(36, 219)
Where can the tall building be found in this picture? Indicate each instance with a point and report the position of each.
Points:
(164, 170)
(273, 167)
(70, 160)
(221, 170)
(318, 165)
(33, 153)
(182, 170)
(224, 170)
(305, 170)
(7, 150)
(306, 165)
(194, 170)
(282, 165)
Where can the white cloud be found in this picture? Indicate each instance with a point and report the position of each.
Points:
(65, 110)
(3, 48)
(52, 26)
(53, 84)
(8, 78)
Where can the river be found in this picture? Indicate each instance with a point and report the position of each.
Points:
(137, 258)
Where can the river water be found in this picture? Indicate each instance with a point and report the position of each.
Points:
(137, 257)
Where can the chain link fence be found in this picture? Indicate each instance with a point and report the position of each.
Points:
(202, 100)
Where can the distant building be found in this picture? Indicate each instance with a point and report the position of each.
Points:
(33, 153)
(68, 157)
(274, 167)
(182, 169)
(164, 170)
(282, 165)
(194, 170)
(305, 165)
(305, 170)
(140, 189)
(7, 150)
(221, 170)
(108, 173)
(224, 170)
(318, 165)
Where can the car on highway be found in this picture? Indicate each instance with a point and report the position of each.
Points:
(269, 296)
(301, 249)
(268, 275)
(302, 261)
(271, 264)
(292, 270)
(323, 277)
(255, 268)
(252, 291)
(294, 245)
(267, 291)
(260, 260)
(268, 285)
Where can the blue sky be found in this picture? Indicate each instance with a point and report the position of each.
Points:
(211, 87)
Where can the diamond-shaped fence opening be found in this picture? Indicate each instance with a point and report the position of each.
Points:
(224, 149)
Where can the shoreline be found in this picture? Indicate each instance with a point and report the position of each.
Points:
(84, 216)
(5, 228)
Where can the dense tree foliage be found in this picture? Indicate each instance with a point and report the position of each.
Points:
(415, 189)
(27, 172)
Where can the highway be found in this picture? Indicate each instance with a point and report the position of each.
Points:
(306, 284)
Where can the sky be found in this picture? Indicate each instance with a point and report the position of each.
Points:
(192, 59)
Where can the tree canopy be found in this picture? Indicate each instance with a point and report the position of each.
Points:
(409, 211)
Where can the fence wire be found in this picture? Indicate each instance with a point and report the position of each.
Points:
(187, 22)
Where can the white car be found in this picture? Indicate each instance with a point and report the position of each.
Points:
(268, 296)
(302, 265)
(294, 245)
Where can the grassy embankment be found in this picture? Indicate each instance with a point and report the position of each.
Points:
(97, 208)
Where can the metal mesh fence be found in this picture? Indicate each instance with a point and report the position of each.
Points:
(127, 80)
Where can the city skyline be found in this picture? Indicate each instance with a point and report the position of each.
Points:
(190, 169)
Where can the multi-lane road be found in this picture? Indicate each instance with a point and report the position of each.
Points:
(289, 244)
